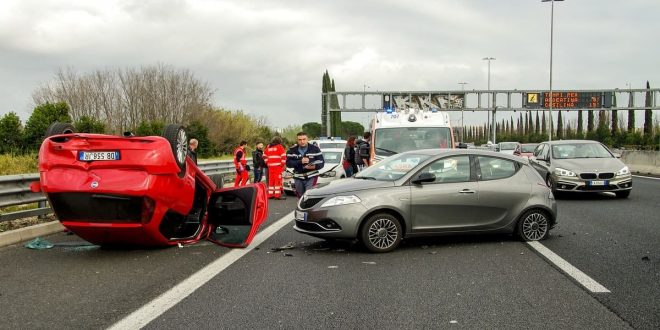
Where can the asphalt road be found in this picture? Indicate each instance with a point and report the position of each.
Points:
(463, 281)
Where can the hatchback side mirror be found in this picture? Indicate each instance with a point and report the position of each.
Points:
(424, 177)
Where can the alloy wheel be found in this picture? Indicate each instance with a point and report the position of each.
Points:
(383, 233)
(535, 226)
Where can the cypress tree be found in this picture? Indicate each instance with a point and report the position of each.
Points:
(579, 125)
(538, 125)
(560, 127)
(544, 126)
(631, 114)
(648, 114)
(615, 119)
(335, 115)
(590, 121)
(324, 104)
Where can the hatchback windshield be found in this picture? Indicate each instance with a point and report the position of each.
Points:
(333, 157)
(390, 141)
(580, 150)
(392, 168)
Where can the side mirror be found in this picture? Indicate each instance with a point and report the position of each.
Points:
(462, 145)
(424, 177)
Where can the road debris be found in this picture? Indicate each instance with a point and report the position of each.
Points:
(39, 244)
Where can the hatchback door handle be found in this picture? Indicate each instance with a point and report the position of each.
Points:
(467, 191)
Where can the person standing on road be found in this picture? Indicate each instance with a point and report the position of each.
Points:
(258, 162)
(363, 151)
(240, 163)
(306, 160)
(275, 157)
(192, 146)
(349, 165)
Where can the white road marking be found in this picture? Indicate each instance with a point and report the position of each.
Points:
(167, 300)
(646, 177)
(569, 269)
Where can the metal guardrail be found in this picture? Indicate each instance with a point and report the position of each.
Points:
(15, 190)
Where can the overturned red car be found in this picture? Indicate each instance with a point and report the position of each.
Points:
(145, 191)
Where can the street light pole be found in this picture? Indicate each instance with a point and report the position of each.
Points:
(552, 25)
(490, 96)
(462, 107)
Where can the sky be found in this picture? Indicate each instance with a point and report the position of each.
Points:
(267, 58)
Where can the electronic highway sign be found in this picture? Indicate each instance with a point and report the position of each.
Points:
(567, 100)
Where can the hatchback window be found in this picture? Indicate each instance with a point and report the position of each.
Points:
(450, 170)
(392, 168)
(496, 168)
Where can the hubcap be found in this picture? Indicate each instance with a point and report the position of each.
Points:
(535, 226)
(181, 148)
(383, 233)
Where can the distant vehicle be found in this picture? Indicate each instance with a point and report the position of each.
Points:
(331, 171)
(525, 149)
(142, 190)
(332, 142)
(581, 166)
(508, 147)
(396, 131)
(431, 192)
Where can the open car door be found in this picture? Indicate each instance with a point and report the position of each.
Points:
(235, 214)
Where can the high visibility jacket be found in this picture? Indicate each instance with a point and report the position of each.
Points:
(275, 155)
(239, 158)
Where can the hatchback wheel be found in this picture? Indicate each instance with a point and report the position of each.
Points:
(381, 233)
(534, 225)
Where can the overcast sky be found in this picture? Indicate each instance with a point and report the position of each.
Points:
(267, 57)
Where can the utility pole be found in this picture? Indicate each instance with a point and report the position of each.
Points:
(462, 107)
(490, 98)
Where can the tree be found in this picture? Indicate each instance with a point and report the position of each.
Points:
(648, 114)
(197, 130)
(11, 132)
(152, 128)
(336, 129)
(560, 126)
(85, 124)
(544, 126)
(590, 121)
(580, 127)
(312, 129)
(351, 128)
(631, 113)
(538, 125)
(122, 99)
(41, 118)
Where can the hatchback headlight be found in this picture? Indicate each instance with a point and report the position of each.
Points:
(341, 200)
(624, 171)
(563, 172)
(329, 174)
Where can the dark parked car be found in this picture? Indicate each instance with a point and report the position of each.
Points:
(431, 192)
(581, 166)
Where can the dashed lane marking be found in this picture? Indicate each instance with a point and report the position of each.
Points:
(570, 270)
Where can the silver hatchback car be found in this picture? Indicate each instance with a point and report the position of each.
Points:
(431, 192)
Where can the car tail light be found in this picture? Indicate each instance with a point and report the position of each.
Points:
(148, 207)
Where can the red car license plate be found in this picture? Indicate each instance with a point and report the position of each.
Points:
(87, 156)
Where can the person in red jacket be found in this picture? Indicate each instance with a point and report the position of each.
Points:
(242, 168)
(275, 157)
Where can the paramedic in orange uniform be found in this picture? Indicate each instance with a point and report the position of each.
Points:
(240, 162)
(275, 157)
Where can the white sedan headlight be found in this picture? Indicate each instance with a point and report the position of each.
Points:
(564, 172)
(329, 174)
(341, 200)
(624, 171)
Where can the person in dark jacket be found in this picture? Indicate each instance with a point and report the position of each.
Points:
(258, 162)
(306, 160)
(350, 167)
(192, 146)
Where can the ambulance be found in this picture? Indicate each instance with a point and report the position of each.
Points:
(396, 131)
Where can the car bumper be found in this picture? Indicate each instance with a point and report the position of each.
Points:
(330, 222)
(576, 184)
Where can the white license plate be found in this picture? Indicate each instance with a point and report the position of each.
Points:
(597, 183)
(300, 216)
(88, 156)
